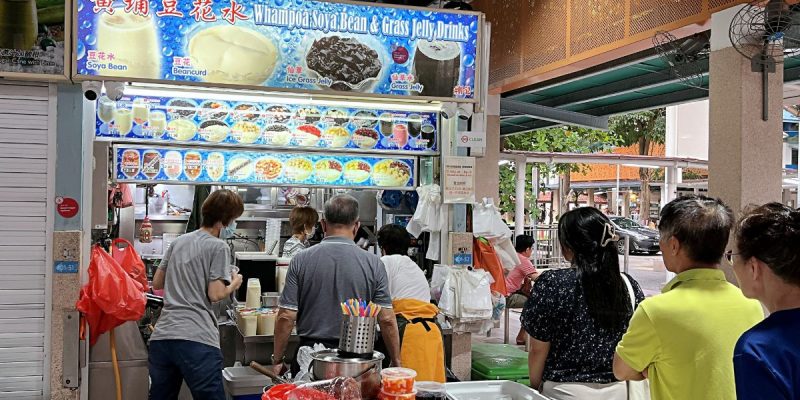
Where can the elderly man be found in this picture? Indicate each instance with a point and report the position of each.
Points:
(683, 339)
(325, 275)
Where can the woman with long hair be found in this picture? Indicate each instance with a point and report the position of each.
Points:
(576, 316)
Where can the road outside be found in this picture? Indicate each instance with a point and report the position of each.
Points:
(648, 271)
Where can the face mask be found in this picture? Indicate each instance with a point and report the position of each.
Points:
(227, 232)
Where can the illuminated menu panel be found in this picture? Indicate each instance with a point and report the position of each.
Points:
(146, 164)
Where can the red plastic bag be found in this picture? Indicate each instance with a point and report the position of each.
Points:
(127, 257)
(111, 297)
(278, 392)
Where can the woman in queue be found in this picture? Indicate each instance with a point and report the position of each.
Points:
(576, 316)
(766, 261)
(303, 221)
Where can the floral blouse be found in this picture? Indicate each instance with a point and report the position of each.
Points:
(580, 350)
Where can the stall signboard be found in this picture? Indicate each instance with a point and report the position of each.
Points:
(32, 37)
(259, 125)
(459, 180)
(295, 45)
(205, 166)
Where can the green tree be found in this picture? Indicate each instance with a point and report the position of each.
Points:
(563, 139)
(642, 128)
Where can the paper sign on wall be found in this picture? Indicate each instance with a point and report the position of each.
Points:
(459, 180)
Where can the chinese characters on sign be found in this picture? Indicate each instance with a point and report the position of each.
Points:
(459, 180)
(300, 44)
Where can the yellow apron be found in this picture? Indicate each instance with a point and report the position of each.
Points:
(422, 347)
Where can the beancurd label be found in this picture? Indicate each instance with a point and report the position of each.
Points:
(306, 45)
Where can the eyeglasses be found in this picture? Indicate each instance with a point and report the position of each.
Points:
(729, 256)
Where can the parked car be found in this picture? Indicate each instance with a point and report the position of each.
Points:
(642, 238)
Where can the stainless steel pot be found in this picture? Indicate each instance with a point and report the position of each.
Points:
(327, 364)
(270, 299)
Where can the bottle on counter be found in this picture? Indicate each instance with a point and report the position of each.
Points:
(146, 231)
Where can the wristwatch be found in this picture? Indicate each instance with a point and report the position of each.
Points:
(276, 362)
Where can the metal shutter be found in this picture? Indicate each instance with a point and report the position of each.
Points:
(24, 230)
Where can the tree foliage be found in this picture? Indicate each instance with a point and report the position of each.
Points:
(643, 128)
(564, 139)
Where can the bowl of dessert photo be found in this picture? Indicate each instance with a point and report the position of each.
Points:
(357, 171)
(328, 170)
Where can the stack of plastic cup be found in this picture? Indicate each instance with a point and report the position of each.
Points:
(398, 384)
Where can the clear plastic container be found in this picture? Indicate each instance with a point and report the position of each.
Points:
(430, 391)
(398, 380)
(390, 396)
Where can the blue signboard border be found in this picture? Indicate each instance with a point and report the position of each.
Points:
(478, 77)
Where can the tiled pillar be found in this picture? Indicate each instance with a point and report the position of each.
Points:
(487, 171)
(745, 152)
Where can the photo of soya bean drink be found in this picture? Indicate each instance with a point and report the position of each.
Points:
(18, 24)
(437, 66)
(133, 41)
(123, 121)
(157, 122)
(105, 112)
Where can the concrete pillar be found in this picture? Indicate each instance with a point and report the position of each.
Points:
(745, 152)
(590, 197)
(521, 166)
(625, 198)
(487, 171)
(613, 195)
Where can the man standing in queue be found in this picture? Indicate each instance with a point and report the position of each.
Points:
(322, 277)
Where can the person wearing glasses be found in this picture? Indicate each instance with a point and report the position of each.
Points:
(682, 340)
(766, 262)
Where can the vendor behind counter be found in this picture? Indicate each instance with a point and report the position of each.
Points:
(422, 345)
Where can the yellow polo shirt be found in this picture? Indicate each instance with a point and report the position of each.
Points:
(686, 335)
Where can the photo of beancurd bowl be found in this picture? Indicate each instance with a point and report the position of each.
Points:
(233, 54)
(298, 169)
(357, 171)
(391, 173)
(336, 136)
(328, 170)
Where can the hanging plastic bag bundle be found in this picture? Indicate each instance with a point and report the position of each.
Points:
(111, 296)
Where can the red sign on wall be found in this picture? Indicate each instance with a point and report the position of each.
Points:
(67, 207)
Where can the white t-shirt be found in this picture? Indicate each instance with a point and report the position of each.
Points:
(406, 279)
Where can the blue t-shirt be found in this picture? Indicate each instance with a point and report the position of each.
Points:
(767, 359)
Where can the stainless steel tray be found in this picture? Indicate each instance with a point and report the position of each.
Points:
(491, 390)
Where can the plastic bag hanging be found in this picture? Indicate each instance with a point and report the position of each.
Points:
(111, 296)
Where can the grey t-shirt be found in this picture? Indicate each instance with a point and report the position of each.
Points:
(192, 262)
(323, 276)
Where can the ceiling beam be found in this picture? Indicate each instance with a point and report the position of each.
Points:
(628, 85)
(624, 62)
(553, 114)
(648, 103)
